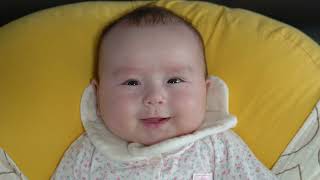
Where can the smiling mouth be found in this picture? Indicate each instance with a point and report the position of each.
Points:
(155, 122)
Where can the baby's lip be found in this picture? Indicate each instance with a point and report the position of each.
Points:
(155, 119)
(155, 122)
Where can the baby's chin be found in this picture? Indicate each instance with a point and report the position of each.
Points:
(150, 142)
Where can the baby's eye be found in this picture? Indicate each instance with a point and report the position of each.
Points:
(131, 82)
(175, 80)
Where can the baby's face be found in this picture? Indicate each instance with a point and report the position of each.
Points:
(152, 85)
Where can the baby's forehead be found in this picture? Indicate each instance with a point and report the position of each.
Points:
(123, 34)
(128, 40)
(146, 42)
(121, 28)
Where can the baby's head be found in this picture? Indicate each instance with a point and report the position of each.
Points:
(151, 82)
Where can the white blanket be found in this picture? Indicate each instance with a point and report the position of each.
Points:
(8, 169)
(301, 159)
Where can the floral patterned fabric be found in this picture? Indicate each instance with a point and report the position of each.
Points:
(223, 156)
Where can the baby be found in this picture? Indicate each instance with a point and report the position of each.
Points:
(152, 112)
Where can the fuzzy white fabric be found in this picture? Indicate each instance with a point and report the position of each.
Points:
(217, 120)
(301, 159)
(8, 169)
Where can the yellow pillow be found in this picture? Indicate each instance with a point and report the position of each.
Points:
(46, 62)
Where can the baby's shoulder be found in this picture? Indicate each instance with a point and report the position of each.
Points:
(227, 137)
(225, 141)
(79, 152)
(80, 147)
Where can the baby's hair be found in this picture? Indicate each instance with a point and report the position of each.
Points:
(149, 15)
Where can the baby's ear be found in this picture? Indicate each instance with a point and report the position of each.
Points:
(95, 85)
(208, 84)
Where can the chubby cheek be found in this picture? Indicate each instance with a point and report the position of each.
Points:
(189, 108)
(118, 110)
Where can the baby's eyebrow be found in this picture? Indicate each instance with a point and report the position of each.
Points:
(133, 70)
(180, 69)
(126, 70)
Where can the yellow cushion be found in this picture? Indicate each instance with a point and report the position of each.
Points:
(46, 61)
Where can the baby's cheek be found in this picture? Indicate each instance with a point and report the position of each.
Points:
(121, 104)
(119, 114)
(190, 107)
(186, 99)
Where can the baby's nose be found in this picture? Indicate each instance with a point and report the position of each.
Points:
(154, 97)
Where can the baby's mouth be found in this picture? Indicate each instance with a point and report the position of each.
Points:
(155, 122)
